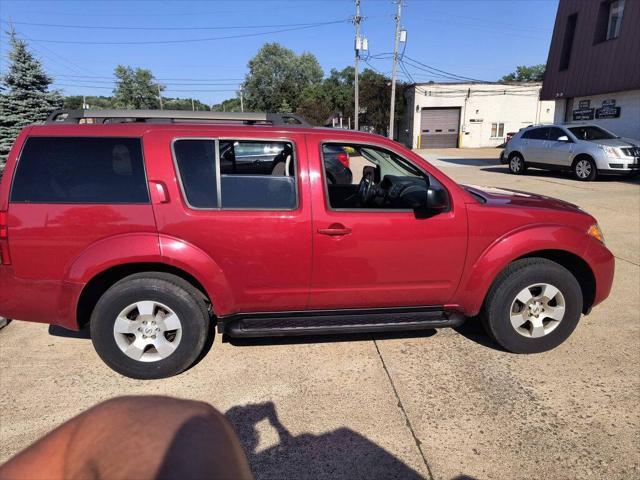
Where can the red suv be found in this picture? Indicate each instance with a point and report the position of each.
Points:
(152, 237)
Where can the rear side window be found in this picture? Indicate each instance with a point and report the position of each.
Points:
(80, 170)
(257, 175)
(536, 134)
(248, 174)
(196, 161)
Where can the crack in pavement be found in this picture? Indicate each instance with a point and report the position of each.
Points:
(628, 261)
(404, 412)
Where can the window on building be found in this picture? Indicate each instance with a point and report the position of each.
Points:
(615, 18)
(567, 43)
(497, 130)
(609, 20)
(86, 170)
(251, 174)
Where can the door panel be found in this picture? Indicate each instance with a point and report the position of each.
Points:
(265, 255)
(368, 258)
(556, 152)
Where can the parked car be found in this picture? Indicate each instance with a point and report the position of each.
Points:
(142, 233)
(336, 164)
(586, 150)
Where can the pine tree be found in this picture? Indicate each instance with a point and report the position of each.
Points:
(24, 95)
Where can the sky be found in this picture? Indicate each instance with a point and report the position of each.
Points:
(80, 42)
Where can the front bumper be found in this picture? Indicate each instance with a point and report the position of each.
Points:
(622, 166)
(602, 263)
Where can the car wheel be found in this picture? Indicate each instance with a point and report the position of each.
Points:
(150, 326)
(585, 169)
(533, 306)
(516, 164)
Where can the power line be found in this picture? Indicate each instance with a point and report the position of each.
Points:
(167, 89)
(187, 40)
(110, 77)
(116, 27)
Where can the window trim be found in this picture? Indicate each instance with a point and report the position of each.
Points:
(101, 137)
(371, 210)
(217, 141)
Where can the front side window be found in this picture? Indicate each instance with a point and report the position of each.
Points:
(368, 177)
(555, 133)
(249, 174)
(592, 132)
(105, 170)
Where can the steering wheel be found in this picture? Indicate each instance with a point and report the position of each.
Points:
(365, 189)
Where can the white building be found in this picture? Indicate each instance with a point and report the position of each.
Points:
(468, 115)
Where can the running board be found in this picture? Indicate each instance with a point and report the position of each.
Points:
(280, 324)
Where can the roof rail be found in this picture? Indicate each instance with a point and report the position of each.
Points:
(174, 116)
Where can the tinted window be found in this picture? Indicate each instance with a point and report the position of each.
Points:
(591, 133)
(536, 134)
(555, 133)
(257, 174)
(80, 170)
(196, 161)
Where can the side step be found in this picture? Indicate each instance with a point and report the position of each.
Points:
(279, 324)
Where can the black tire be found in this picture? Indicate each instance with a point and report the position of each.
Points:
(178, 295)
(584, 169)
(517, 165)
(516, 277)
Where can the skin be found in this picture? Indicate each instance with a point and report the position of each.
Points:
(146, 437)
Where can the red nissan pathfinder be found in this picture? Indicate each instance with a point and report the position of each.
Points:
(154, 228)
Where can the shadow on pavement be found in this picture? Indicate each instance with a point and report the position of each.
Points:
(474, 162)
(339, 454)
(473, 330)
(532, 172)
(350, 337)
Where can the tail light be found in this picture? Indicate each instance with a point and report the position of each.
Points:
(4, 240)
(343, 158)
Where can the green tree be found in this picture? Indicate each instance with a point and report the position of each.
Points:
(25, 97)
(229, 105)
(136, 89)
(277, 78)
(74, 102)
(183, 104)
(533, 73)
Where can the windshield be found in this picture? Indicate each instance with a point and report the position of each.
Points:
(591, 133)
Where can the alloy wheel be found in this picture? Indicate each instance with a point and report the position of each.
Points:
(147, 331)
(537, 310)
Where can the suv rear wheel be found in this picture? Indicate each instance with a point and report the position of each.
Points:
(516, 164)
(150, 325)
(533, 306)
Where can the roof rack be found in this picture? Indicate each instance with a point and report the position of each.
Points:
(174, 116)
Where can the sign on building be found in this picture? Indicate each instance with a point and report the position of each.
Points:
(608, 110)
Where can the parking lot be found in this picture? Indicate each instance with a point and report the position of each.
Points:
(446, 404)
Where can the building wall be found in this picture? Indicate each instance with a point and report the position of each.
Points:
(516, 106)
(627, 125)
(595, 67)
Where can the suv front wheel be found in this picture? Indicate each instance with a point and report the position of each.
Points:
(585, 169)
(533, 306)
(150, 325)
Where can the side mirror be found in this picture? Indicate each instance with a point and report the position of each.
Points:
(563, 138)
(437, 199)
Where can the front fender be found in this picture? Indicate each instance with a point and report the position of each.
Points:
(479, 276)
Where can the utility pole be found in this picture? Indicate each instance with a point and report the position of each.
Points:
(241, 100)
(193, 106)
(393, 70)
(160, 96)
(356, 94)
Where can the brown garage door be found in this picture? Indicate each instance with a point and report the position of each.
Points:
(439, 127)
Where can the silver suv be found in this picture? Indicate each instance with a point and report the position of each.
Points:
(587, 150)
